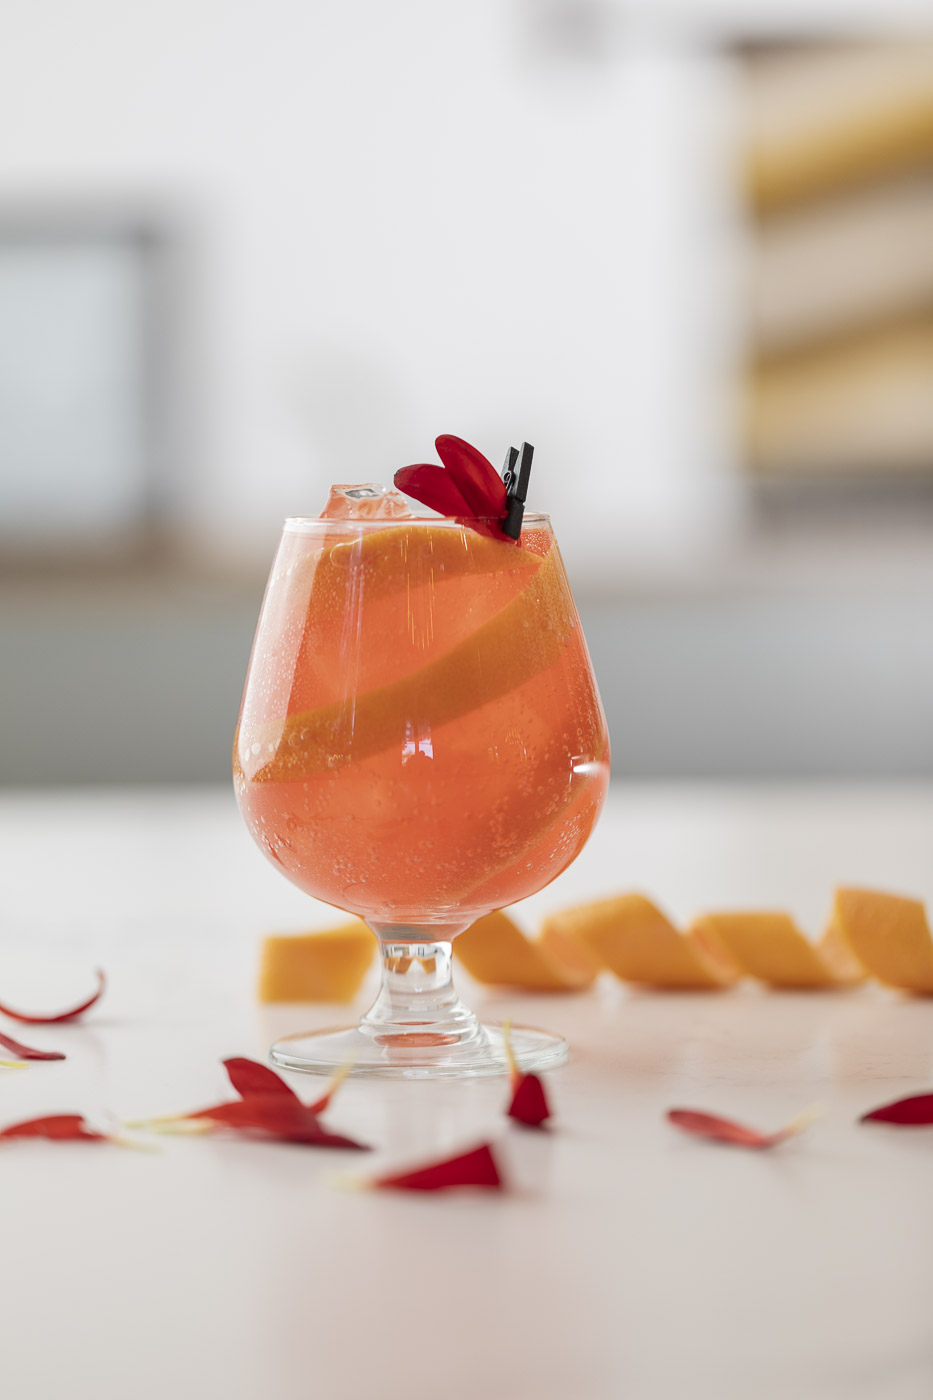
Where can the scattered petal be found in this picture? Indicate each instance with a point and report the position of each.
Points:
(709, 1125)
(475, 1168)
(59, 1127)
(913, 1112)
(276, 1118)
(249, 1078)
(13, 1064)
(529, 1104)
(70, 1015)
(26, 1052)
(267, 1106)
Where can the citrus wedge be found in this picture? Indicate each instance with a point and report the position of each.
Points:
(522, 639)
(381, 562)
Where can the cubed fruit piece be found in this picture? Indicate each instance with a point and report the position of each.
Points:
(327, 966)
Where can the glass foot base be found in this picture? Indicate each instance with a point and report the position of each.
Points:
(423, 1056)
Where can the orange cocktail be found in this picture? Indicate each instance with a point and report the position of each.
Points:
(421, 739)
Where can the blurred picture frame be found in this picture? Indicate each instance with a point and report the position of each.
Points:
(84, 321)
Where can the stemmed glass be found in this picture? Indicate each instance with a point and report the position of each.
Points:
(420, 742)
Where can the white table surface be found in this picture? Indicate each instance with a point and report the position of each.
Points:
(626, 1260)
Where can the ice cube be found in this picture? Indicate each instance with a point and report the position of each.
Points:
(369, 502)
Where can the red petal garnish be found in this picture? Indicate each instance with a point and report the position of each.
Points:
(914, 1112)
(61, 1015)
(433, 487)
(708, 1125)
(60, 1127)
(25, 1052)
(467, 487)
(476, 1168)
(477, 479)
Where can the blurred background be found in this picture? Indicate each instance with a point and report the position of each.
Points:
(686, 249)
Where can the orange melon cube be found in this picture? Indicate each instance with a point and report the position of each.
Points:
(326, 966)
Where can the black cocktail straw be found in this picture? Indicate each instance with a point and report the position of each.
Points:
(515, 474)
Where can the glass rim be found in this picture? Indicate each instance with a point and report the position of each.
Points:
(307, 524)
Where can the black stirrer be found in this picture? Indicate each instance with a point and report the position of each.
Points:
(516, 487)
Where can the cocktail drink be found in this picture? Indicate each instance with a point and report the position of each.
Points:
(420, 742)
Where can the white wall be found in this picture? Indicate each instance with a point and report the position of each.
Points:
(410, 218)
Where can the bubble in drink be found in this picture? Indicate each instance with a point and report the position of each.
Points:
(368, 502)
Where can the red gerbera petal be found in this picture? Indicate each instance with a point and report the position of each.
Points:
(268, 1106)
(249, 1077)
(709, 1125)
(433, 487)
(476, 478)
(276, 1117)
(467, 488)
(913, 1112)
(26, 1052)
(61, 1015)
(529, 1104)
(60, 1127)
(476, 1168)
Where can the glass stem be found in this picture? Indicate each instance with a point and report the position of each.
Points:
(418, 1005)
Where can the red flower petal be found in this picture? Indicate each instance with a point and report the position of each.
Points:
(476, 1168)
(269, 1106)
(250, 1077)
(25, 1052)
(477, 479)
(529, 1102)
(61, 1015)
(433, 487)
(708, 1125)
(60, 1127)
(467, 488)
(913, 1112)
(278, 1118)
